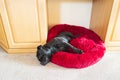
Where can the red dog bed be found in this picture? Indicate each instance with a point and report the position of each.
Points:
(86, 40)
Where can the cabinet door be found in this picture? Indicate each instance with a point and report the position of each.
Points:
(25, 22)
(113, 34)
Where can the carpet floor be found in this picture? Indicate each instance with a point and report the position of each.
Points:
(27, 67)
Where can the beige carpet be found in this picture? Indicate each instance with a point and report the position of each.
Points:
(27, 67)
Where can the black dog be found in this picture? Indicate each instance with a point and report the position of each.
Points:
(59, 43)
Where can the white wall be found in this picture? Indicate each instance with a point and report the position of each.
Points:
(75, 12)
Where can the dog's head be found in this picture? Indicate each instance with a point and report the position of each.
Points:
(42, 55)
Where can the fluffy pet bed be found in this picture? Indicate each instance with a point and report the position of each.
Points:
(86, 40)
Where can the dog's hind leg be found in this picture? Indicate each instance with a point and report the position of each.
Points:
(76, 50)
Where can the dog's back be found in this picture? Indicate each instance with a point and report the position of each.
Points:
(61, 39)
(66, 34)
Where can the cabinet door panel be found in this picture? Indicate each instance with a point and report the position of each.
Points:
(116, 31)
(25, 22)
(113, 32)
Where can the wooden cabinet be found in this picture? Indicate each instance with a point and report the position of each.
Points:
(105, 22)
(113, 32)
(23, 25)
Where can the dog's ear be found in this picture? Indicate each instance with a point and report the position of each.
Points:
(39, 47)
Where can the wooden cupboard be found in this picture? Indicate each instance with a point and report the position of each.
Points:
(105, 21)
(113, 35)
(23, 25)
